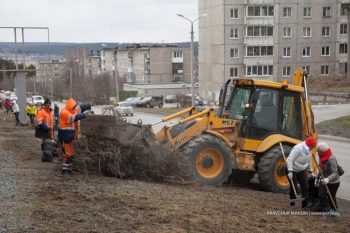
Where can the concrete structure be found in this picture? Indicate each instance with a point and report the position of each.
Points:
(159, 89)
(148, 65)
(269, 39)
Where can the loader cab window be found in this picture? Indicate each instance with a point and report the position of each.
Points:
(264, 119)
(237, 105)
(265, 114)
(291, 118)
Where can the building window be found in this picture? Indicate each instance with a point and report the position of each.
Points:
(344, 9)
(287, 12)
(234, 53)
(177, 54)
(260, 11)
(326, 12)
(234, 13)
(325, 51)
(326, 31)
(307, 69)
(287, 32)
(343, 48)
(259, 51)
(307, 51)
(343, 68)
(259, 70)
(234, 33)
(286, 52)
(286, 71)
(324, 70)
(233, 72)
(259, 31)
(343, 29)
(307, 11)
(306, 32)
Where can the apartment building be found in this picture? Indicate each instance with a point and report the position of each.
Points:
(269, 39)
(148, 65)
(47, 70)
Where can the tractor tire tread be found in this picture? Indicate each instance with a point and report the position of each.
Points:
(206, 140)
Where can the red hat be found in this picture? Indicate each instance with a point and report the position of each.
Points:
(310, 142)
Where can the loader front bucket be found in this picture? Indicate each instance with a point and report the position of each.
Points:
(115, 128)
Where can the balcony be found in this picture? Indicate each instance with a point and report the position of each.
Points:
(260, 2)
(268, 40)
(253, 61)
(259, 20)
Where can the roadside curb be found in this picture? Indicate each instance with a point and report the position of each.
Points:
(334, 138)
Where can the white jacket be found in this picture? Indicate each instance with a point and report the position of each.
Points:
(15, 107)
(299, 158)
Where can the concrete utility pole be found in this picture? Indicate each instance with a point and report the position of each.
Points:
(192, 53)
(70, 82)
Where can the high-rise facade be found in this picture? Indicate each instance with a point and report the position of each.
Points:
(269, 39)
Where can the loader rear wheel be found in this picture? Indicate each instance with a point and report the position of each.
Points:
(209, 160)
(272, 170)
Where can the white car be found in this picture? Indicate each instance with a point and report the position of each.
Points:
(29, 100)
(38, 100)
(124, 109)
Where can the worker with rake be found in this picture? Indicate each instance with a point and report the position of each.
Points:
(328, 178)
(298, 163)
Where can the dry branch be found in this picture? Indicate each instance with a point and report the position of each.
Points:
(139, 161)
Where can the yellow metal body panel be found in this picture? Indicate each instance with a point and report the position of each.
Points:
(245, 161)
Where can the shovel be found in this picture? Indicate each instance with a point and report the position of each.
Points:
(291, 181)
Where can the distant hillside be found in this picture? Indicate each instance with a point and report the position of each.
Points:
(56, 48)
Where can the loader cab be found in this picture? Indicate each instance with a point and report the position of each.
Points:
(262, 110)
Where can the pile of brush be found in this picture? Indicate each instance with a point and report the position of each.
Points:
(139, 161)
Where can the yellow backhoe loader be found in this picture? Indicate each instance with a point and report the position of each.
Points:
(242, 136)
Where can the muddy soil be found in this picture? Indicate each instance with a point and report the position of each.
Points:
(34, 197)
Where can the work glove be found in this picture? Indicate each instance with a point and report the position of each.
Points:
(311, 174)
(88, 112)
(290, 175)
(317, 182)
(325, 181)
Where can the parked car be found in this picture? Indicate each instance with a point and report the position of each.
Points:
(38, 100)
(124, 109)
(170, 99)
(150, 102)
(134, 101)
(186, 101)
(29, 100)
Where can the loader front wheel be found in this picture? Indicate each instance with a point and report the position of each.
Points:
(272, 170)
(209, 160)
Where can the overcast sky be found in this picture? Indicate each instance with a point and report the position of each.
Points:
(99, 20)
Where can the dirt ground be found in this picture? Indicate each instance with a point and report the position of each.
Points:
(34, 197)
(330, 84)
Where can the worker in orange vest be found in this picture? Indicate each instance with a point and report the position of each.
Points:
(45, 130)
(68, 130)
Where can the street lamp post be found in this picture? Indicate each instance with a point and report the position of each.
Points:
(192, 53)
(115, 75)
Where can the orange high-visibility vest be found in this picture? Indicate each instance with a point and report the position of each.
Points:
(45, 116)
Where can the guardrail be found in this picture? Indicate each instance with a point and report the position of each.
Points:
(329, 97)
